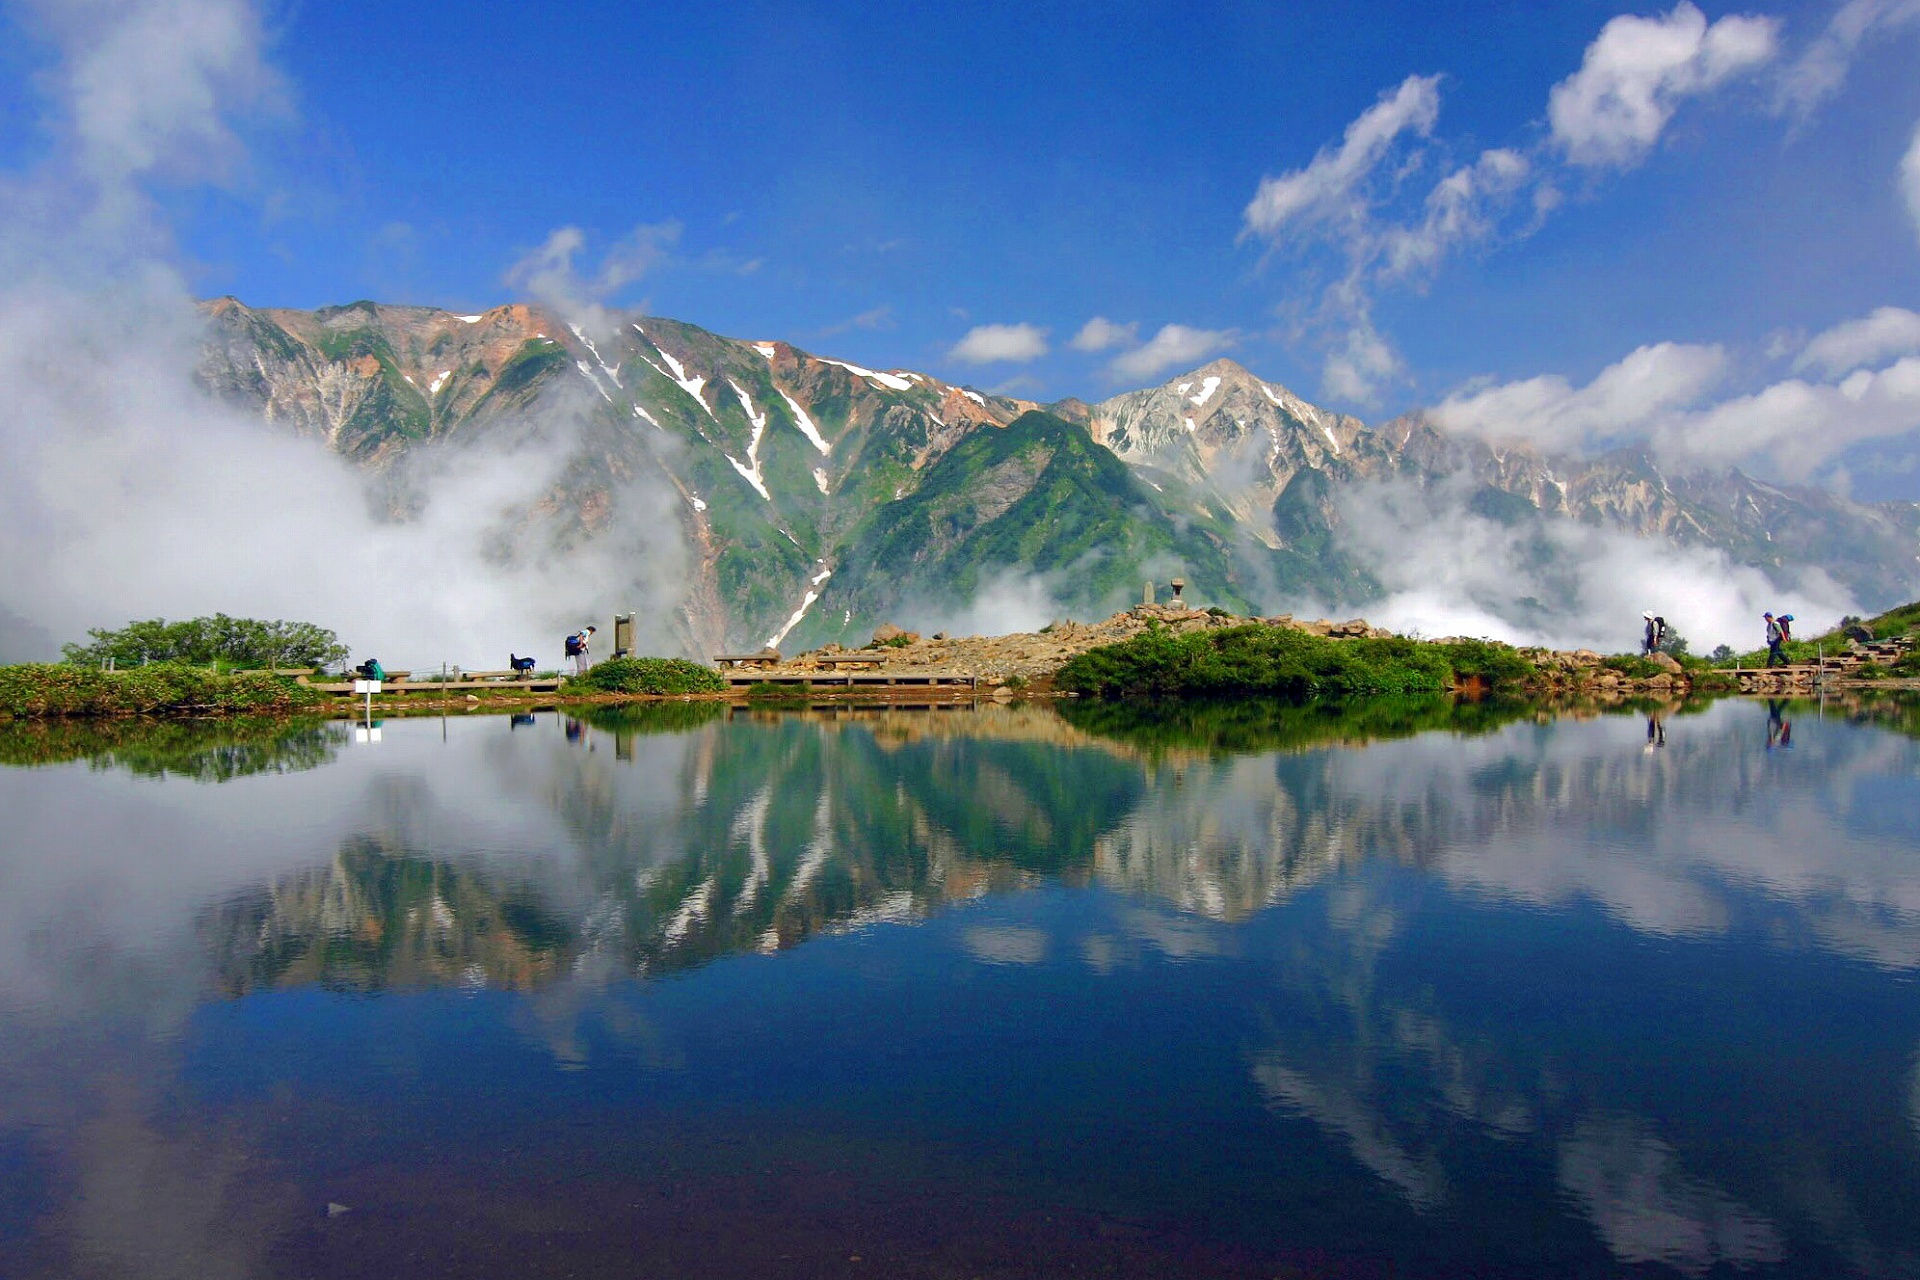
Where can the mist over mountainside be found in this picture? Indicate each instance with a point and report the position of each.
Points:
(812, 498)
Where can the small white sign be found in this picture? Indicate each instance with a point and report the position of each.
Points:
(366, 686)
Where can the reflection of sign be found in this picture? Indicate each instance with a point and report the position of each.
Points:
(366, 733)
(366, 686)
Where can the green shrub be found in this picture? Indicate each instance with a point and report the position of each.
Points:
(893, 642)
(1633, 666)
(1282, 662)
(64, 689)
(648, 675)
(219, 640)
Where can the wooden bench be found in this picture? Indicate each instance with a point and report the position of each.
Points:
(852, 659)
(494, 675)
(766, 658)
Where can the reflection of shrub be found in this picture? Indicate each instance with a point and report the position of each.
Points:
(205, 750)
(769, 691)
(1284, 662)
(1268, 724)
(648, 675)
(66, 689)
(649, 717)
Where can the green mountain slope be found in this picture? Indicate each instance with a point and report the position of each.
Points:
(1037, 498)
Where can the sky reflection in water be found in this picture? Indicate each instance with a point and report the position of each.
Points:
(1001, 992)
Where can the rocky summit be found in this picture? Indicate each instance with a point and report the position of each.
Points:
(814, 498)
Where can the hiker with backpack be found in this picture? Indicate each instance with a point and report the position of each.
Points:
(1776, 637)
(1654, 636)
(578, 645)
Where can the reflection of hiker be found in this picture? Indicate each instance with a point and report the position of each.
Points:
(575, 730)
(1779, 729)
(521, 720)
(1776, 636)
(1654, 636)
(578, 645)
(1656, 733)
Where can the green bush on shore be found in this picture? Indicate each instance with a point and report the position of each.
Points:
(1286, 663)
(648, 675)
(64, 689)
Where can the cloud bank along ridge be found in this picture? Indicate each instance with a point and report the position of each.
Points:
(126, 492)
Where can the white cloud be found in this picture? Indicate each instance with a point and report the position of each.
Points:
(1797, 426)
(1447, 570)
(1636, 72)
(1800, 425)
(1357, 370)
(1626, 399)
(1889, 331)
(1175, 344)
(1100, 334)
(1330, 187)
(548, 273)
(1458, 210)
(997, 343)
(1823, 65)
(152, 86)
(1910, 178)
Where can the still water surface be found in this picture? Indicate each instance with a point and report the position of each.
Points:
(1000, 993)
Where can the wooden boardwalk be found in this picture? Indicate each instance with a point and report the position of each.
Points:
(850, 679)
(446, 686)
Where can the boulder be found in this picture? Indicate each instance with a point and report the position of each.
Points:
(1668, 663)
(887, 633)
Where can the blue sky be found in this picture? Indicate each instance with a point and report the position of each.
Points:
(878, 181)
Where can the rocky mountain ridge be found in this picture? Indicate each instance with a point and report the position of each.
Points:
(816, 497)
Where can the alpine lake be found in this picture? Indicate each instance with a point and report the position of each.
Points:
(687, 990)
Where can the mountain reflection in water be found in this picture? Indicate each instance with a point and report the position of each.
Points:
(1429, 988)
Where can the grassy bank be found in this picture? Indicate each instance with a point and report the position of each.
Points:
(1285, 663)
(65, 689)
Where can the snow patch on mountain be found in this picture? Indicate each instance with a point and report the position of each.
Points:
(759, 420)
(806, 425)
(891, 381)
(692, 386)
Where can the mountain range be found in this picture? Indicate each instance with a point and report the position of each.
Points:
(815, 497)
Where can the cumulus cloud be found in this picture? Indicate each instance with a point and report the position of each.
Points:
(1174, 344)
(1800, 425)
(1447, 570)
(1910, 179)
(1459, 209)
(1888, 332)
(126, 492)
(1332, 186)
(1358, 370)
(1625, 399)
(1655, 395)
(1000, 343)
(549, 275)
(150, 87)
(1635, 74)
(1101, 334)
(1822, 66)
